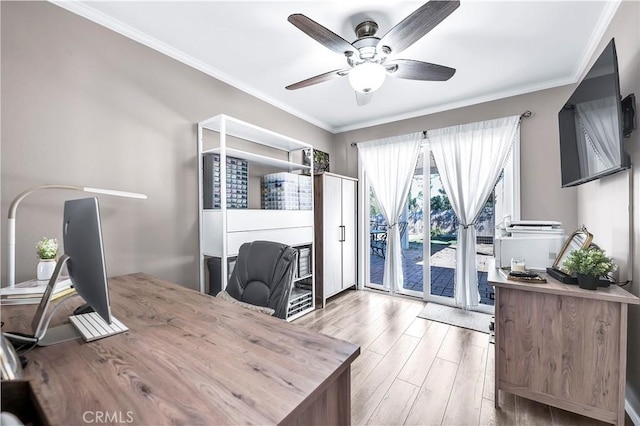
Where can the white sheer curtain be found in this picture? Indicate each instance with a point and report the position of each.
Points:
(507, 199)
(469, 158)
(389, 164)
(597, 126)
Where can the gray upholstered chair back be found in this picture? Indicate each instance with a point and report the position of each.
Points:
(263, 275)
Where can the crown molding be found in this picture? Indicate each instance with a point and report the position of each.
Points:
(84, 10)
(609, 12)
(457, 104)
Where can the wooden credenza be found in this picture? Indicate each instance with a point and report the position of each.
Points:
(189, 358)
(562, 345)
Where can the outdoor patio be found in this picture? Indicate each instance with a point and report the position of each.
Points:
(442, 270)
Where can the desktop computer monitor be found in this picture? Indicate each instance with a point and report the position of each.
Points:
(84, 258)
(82, 236)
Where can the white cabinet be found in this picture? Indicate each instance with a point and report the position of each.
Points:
(335, 230)
(223, 230)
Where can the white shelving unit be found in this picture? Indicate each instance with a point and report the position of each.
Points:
(257, 158)
(223, 231)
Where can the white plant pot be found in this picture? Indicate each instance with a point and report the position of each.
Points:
(45, 269)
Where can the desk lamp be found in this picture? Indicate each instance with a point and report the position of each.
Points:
(11, 222)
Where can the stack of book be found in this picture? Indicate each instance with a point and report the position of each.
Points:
(30, 292)
(525, 277)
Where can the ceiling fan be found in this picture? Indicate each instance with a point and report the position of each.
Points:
(369, 57)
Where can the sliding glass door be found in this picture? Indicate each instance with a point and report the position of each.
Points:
(412, 237)
(443, 234)
(429, 233)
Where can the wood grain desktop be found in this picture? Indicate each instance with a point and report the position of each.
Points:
(190, 359)
(562, 345)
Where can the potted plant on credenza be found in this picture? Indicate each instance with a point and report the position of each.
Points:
(589, 264)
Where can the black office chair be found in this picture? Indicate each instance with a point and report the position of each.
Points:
(263, 275)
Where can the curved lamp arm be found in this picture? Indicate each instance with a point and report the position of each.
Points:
(11, 221)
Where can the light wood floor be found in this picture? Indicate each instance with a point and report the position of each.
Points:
(419, 372)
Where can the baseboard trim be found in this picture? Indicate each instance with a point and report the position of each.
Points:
(634, 415)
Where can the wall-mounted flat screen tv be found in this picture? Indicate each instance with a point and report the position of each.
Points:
(591, 136)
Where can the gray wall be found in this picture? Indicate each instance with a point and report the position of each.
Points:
(83, 105)
(603, 205)
(541, 195)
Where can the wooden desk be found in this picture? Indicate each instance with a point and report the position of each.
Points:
(190, 359)
(562, 345)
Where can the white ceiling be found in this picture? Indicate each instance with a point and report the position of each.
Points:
(499, 48)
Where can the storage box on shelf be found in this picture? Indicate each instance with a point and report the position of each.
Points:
(301, 297)
(230, 223)
(304, 261)
(300, 300)
(215, 269)
(287, 191)
(280, 191)
(305, 192)
(237, 182)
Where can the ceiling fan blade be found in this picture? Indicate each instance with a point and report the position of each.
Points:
(363, 98)
(415, 26)
(322, 35)
(418, 70)
(318, 79)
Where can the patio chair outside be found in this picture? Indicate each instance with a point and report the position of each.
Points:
(379, 244)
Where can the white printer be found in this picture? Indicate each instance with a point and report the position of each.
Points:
(538, 242)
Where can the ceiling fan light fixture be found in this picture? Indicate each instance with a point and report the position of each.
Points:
(367, 77)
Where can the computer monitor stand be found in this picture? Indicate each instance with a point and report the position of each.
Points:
(62, 333)
(59, 334)
(89, 326)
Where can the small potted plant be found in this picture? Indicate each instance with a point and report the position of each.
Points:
(47, 250)
(589, 264)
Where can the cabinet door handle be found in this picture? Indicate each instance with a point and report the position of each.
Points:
(343, 232)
